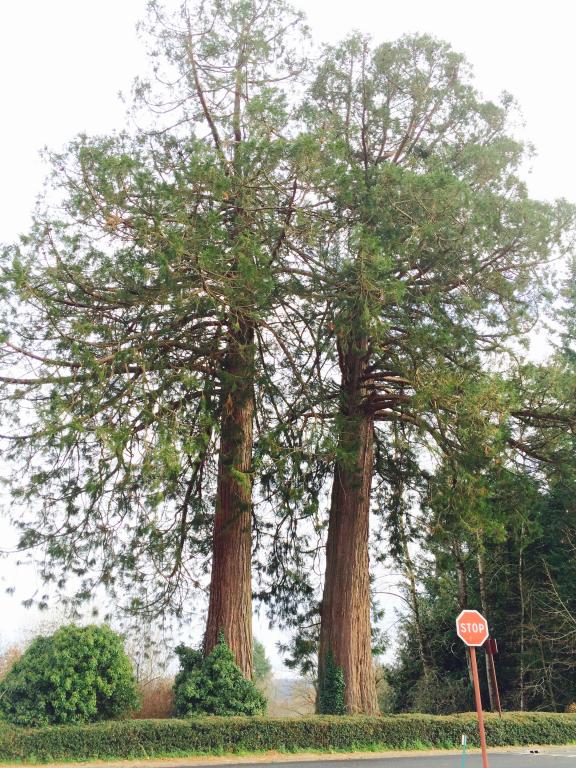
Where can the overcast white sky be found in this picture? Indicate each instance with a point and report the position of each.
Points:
(62, 63)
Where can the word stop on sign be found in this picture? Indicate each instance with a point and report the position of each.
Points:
(472, 628)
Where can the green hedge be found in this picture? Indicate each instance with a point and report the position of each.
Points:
(216, 735)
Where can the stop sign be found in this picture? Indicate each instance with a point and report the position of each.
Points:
(472, 628)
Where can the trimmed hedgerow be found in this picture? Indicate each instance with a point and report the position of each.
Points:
(216, 735)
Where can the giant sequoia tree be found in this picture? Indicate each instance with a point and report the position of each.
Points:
(129, 322)
(431, 262)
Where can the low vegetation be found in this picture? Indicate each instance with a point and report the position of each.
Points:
(213, 684)
(76, 675)
(218, 735)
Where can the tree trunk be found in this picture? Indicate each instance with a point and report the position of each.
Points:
(345, 615)
(230, 606)
(462, 593)
(521, 674)
(548, 676)
(485, 612)
(461, 575)
(423, 647)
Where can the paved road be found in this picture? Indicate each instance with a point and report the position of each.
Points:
(548, 758)
(518, 760)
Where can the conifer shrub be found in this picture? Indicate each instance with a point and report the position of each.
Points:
(76, 675)
(214, 684)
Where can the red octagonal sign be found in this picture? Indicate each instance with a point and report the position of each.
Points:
(472, 628)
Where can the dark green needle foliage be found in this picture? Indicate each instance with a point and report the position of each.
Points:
(125, 309)
(214, 684)
(76, 675)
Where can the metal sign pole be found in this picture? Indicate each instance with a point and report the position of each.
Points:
(479, 711)
(472, 629)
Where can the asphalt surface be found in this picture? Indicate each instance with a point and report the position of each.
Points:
(520, 760)
(548, 758)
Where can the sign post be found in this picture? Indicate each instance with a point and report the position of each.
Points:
(492, 650)
(472, 629)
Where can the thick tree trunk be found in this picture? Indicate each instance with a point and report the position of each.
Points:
(345, 630)
(230, 606)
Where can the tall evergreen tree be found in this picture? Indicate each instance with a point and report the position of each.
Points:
(432, 260)
(130, 322)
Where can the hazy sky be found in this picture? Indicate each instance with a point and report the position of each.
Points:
(62, 63)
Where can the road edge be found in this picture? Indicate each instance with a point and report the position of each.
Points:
(195, 761)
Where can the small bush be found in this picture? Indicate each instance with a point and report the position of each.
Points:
(331, 700)
(214, 685)
(139, 739)
(76, 675)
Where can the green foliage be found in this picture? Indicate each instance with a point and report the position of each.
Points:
(262, 665)
(524, 534)
(140, 295)
(440, 261)
(183, 273)
(332, 686)
(441, 695)
(215, 735)
(384, 690)
(214, 685)
(76, 675)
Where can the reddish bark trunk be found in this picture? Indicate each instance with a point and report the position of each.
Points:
(345, 615)
(230, 606)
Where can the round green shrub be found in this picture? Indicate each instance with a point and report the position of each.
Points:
(214, 685)
(76, 675)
